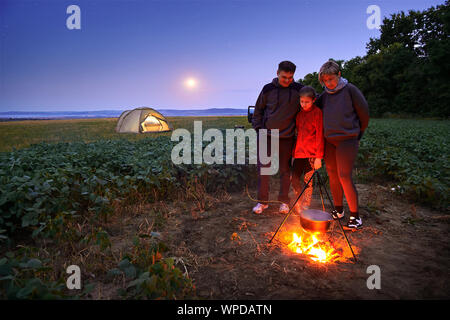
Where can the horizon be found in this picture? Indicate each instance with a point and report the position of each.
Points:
(172, 55)
(118, 110)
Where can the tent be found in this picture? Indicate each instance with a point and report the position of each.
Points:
(142, 120)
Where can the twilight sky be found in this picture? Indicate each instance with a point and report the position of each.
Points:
(132, 53)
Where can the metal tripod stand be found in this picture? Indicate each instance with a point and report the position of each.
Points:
(333, 212)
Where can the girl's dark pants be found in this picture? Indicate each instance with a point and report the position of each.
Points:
(339, 160)
(305, 167)
(285, 152)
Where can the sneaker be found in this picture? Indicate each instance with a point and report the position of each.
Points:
(336, 215)
(259, 208)
(284, 208)
(354, 223)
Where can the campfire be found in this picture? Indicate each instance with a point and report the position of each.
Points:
(316, 223)
(314, 246)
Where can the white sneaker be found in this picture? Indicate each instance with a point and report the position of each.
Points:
(259, 208)
(339, 215)
(354, 223)
(284, 208)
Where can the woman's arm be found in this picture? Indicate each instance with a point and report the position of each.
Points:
(361, 107)
(319, 135)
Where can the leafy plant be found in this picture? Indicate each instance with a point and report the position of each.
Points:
(22, 277)
(47, 186)
(413, 154)
(151, 275)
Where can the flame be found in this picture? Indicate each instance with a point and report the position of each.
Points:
(310, 245)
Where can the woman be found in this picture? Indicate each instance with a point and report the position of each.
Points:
(345, 118)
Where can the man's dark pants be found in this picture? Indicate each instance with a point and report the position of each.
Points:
(285, 153)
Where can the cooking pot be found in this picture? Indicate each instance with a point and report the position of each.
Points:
(315, 220)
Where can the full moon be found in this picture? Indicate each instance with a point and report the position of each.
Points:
(191, 83)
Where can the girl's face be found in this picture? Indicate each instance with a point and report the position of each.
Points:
(331, 80)
(306, 102)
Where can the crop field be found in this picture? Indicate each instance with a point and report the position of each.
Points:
(76, 192)
(21, 134)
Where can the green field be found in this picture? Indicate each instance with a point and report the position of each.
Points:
(414, 154)
(21, 134)
(65, 180)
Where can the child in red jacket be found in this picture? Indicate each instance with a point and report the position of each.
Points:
(308, 150)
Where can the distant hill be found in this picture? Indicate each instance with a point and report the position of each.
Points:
(205, 112)
(20, 115)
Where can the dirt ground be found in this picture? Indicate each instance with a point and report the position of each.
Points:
(225, 251)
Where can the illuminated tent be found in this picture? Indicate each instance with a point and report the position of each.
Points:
(142, 120)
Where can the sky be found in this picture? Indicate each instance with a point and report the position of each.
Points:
(133, 53)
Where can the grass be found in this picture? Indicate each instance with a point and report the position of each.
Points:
(22, 134)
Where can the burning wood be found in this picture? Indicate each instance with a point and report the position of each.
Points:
(310, 245)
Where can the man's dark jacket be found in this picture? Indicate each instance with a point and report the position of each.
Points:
(277, 107)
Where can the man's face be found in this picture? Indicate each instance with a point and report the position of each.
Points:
(331, 80)
(285, 78)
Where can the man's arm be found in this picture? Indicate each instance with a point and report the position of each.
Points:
(258, 114)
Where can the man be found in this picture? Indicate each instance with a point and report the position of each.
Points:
(276, 108)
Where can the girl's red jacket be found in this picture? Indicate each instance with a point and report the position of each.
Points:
(310, 141)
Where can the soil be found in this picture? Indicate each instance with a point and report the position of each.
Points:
(225, 250)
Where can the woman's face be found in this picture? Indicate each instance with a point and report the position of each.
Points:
(331, 80)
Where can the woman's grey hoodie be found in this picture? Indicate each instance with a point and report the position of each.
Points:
(277, 108)
(345, 112)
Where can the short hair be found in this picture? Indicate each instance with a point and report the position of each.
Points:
(287, 66)
(329, 67)
(308, 91)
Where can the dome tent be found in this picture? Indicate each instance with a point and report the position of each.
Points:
(142, 120)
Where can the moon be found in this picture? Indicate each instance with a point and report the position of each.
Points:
(190, 83)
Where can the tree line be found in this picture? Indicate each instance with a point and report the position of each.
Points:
(405, 71)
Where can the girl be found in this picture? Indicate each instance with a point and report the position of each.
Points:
(308, 150)
(345, 117)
